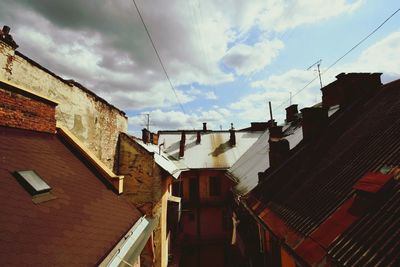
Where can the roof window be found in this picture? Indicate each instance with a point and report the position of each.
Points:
(36, 185)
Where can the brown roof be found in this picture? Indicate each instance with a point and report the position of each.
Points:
(78, 228)
(313, 186)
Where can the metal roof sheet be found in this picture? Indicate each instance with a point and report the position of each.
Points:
(161, 158)
(256, 159)
(213, 152)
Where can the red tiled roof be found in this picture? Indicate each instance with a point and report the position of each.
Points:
(78, 228)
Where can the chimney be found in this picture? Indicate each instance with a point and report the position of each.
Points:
(291, 113)
(278, 151)
(198, 139)
(182, 145)
(232, 137)
(349, 87)
(315, 119)
(275, 132)
(145, 135)
(204, 126)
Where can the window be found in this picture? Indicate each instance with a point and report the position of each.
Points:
(33, 182)
(215, 186)
(177, 188)
(194, 189)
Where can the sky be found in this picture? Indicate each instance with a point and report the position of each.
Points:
(225, 58)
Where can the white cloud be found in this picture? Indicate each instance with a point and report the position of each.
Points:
(210, 95)
(160, 119)
(378, 57)
(246, 59)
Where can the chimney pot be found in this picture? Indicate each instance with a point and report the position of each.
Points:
(204, 126)
(145, 135)
(182, 145)
(198, 139)
(232, 137)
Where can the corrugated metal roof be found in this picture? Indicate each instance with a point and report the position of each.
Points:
(214, 151)
(161, 158)
(321, 177)
(256, 159)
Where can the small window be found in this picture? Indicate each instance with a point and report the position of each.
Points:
(177, 188)
(33, 182)
(194, 188)
(215, 186)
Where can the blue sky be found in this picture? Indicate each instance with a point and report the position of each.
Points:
(226, 59)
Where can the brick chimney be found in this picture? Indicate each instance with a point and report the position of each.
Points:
(145, 135)
(315, 119)
(278, 151)
(232, 137)
(20, 108)
(182, 144)
(275, 132)
(349, 87)
(198, 139)
(278, 146)
(291, 113)
(204, 126)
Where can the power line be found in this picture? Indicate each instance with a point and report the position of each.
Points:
(158, 56)
(344, 55)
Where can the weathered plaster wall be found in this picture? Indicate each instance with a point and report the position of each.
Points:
(146, 186)
(95, 122)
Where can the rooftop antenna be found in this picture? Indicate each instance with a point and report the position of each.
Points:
(148, 121)
(318, 63)
(290, 99)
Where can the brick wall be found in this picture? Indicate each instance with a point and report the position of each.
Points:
(19, 111)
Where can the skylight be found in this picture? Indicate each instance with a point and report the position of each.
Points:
(33, 182)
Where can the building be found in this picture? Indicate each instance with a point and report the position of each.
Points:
(94, 121)
(204, 156)
(148, 185)
(60, 205)
(333, 201)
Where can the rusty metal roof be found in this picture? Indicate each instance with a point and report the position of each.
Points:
(214, 150)
(78, 226)
(320, 177)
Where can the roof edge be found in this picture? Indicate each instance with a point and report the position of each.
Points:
(70, 82)
(26, 92)
(71, 139)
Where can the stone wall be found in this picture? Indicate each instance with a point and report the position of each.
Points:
(146, 186)
(94, 121)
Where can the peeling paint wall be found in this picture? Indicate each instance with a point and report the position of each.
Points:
(96, 123)
(146, 186)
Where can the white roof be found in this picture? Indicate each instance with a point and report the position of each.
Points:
(213, 152)
(161, 159)
(256, 159)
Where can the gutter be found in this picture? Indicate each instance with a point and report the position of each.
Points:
(128, 249)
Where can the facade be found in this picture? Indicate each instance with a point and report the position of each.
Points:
(59, 205)
(331, 202)
(90, 118)
(148, 184)
(205, 229)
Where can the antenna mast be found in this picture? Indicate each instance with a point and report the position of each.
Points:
(318, 63)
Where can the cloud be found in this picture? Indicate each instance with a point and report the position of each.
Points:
(246, 59)
(377, 58)
(160, 119)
